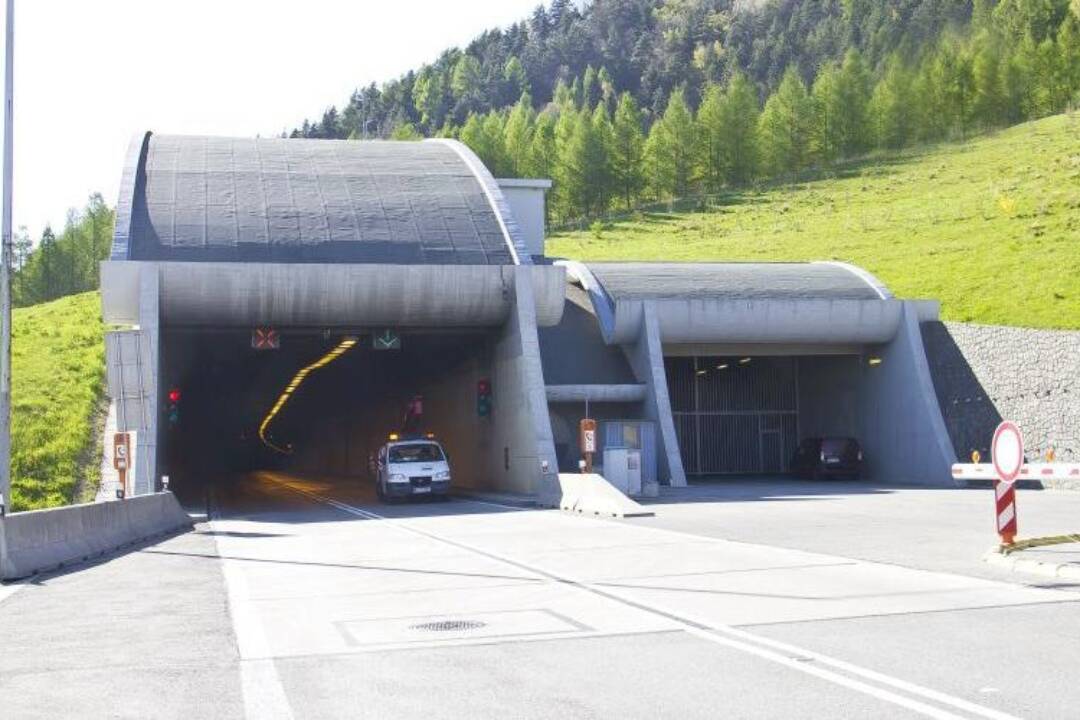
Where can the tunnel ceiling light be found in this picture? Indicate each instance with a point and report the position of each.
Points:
(745, 361)
(874, 361)
(701, 372)
(722, 366)
(343, 347)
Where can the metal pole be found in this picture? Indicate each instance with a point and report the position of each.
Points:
(5, 261)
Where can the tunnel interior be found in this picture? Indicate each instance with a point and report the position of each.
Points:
(218, 390)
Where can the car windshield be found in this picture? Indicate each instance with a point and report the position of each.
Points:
(834, 445)
(423, 452)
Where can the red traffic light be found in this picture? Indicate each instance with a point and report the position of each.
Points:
(483, 387)
(174, 395)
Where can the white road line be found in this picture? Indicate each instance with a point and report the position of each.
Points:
(796, 658)
(7, 591)
(263, 693)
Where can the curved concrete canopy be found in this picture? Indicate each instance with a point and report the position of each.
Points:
(819, 303)
(737, 281)
(211, 199)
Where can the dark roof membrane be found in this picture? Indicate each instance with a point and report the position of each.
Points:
(308, 201)
(746, 281)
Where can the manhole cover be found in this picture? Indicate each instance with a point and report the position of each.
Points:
(449, 625)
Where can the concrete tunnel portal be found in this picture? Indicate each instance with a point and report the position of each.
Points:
(335, 418)
(705, 369)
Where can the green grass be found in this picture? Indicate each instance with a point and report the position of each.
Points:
(58, 374)
(991, 227)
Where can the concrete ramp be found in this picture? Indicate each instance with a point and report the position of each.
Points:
(591, 494)
(42, 540)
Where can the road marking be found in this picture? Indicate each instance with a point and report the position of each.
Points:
(7, 591)
(261, 687)
(791, 656)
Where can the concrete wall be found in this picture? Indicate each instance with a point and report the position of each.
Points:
(521, 440)
(902, 431)
(828, 395)
(40, 540)
(805, 320)
(309, 294)
(574, 351)
(646, 357)
(526, 200)
(984, 373)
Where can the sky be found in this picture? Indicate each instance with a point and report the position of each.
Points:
(91, 74)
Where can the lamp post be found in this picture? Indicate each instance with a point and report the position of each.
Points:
(5, 262)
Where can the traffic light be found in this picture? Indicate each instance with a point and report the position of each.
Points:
(483, 397)
(174, 406)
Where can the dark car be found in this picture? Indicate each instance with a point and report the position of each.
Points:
(817, 458)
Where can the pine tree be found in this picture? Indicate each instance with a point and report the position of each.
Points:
(563, 97)
(590, 89)
(602, 173)
(1068, 41)
(518, 134)
(674, 146)
(472, 134)
(628, 150)
(495, 156)
(854, 97)
(428, 97)
(786, 127)
(466, 83)
(711, 132)
(890, 111)
(540, 161)
(740, 139)
(989, 105)
(828, 101)
(607, 89)
(572, 167)
(517, 82)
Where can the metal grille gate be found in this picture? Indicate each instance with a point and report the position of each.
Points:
(734, 415)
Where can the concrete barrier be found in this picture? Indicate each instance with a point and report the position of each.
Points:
(589, 493)
(41, 540)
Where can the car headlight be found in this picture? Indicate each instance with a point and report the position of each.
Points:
(442, 475)
(397, 478)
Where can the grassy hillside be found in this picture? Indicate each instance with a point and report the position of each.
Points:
(990, 227)
(58, 374)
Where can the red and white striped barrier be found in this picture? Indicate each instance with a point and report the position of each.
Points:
(1005, 497)
(1034, 471)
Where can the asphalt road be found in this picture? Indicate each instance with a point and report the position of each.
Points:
(305, 598)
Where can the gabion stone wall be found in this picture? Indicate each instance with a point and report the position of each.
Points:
(984, 373)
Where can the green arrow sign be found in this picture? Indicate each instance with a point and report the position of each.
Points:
(386, 340)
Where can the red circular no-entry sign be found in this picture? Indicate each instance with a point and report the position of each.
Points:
(1007, 451)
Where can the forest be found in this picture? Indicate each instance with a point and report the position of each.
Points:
(627, 102)
(630, 101)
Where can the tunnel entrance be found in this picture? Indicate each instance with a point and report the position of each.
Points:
(218, 390)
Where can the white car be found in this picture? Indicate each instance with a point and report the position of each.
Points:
(410, 468)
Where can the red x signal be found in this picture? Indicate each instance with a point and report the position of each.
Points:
(265, 339)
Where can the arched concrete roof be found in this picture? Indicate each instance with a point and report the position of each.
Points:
(823, 302)
(213, 199)
(750, 280)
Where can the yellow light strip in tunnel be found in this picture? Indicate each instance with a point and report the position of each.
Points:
(343, 347)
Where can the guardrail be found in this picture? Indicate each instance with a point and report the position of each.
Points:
(1063, 474)
(41, 540)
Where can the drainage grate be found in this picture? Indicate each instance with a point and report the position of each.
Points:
(449, 625)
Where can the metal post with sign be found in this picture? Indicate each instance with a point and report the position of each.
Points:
(588, 441)
(121, 461)
(1007, 454)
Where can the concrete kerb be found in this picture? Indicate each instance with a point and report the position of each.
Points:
(43, 540)
(591, 494)
(1009, 558)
